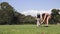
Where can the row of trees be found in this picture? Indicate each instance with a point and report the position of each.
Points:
(8, 15)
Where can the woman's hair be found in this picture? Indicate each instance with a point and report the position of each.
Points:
(43, 15)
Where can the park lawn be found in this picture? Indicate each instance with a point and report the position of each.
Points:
(29, 29)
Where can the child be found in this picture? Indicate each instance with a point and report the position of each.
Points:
(38, 20)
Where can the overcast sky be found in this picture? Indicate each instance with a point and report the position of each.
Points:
(32, 7)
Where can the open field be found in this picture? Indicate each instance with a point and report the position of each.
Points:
(29, 29)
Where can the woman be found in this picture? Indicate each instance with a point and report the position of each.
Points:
(46, 17)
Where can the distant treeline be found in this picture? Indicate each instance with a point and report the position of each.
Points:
(8, 15)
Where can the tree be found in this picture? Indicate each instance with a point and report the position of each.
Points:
(55, 15)
(7, 12)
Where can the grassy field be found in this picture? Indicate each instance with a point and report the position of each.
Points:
(29, 29)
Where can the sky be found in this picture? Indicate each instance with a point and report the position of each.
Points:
(32, 7)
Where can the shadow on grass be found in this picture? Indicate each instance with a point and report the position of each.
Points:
(44, 26)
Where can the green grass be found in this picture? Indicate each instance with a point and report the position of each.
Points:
(29, 29)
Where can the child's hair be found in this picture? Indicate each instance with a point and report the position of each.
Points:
(38, 15)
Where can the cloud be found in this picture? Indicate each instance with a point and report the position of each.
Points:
(34, 12)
